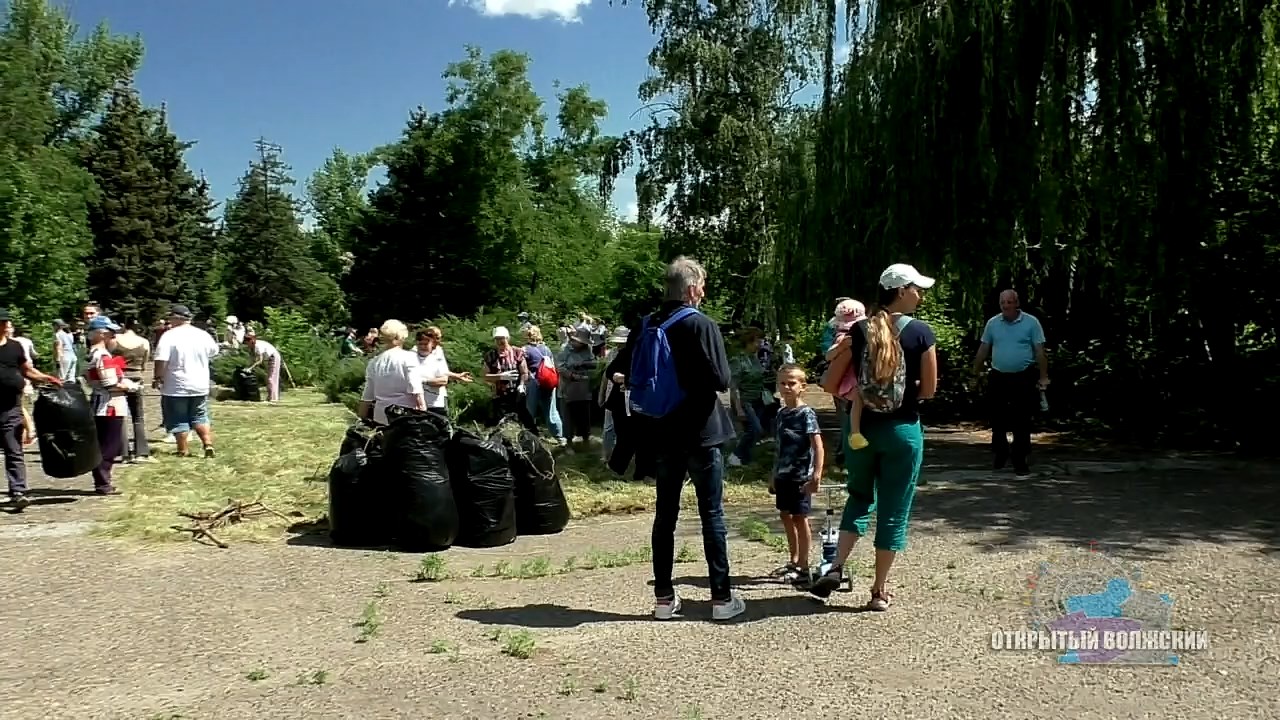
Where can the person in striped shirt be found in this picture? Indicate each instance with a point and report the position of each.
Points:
(106, 376)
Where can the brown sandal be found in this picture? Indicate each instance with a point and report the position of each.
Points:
(880, 601)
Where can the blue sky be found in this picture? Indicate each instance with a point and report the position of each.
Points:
(312, 75)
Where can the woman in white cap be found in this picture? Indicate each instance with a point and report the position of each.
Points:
(902, 364)
(507, 371)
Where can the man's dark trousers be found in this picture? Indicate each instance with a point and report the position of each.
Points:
(705, 466)
(1013, 397)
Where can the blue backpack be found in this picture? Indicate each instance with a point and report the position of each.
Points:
(655, 391)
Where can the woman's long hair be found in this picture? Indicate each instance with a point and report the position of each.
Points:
(882, 339)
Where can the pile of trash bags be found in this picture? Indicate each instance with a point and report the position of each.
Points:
(66, 431)
(420, 485)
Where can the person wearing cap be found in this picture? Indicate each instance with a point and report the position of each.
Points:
(64, 350)
(525, 323)
(543, 402)
(106, 376)
(507, 371)
(264, 351)
(1014, 342)
(16, 371)
(577, 365)
(236, 331)
(882, 477)
(182, 358)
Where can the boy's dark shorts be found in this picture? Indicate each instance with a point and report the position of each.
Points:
(791, 498)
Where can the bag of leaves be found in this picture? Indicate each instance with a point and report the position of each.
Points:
(358, 498)
(541, 507)
(484, 491)
(66, 431)
(246, 386)
(417, 477)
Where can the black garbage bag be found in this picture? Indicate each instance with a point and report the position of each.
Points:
(541, 507)
(484, 490)
(66, 431)
(358, 498)
(246, 386)
(417, 476)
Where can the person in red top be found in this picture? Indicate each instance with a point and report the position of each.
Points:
(106, 375)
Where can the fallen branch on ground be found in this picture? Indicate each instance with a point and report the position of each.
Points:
(236, 511)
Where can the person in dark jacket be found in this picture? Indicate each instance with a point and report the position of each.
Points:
(686, 442)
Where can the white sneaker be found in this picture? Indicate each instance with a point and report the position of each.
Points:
(733, 461)
(665, 609)
(729, 610)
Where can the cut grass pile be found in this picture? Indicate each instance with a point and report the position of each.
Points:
(280, 455)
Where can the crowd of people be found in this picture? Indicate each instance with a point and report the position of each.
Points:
(115, 358)
(661, 385)
(659, 388)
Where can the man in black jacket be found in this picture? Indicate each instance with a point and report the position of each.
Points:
(686, 442)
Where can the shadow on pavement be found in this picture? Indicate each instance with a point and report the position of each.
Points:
(1128, 503)
(559, 616)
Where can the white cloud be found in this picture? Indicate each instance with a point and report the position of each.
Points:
(632, 212)
(564, 10)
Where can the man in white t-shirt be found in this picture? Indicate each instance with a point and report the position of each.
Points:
(181, 360)
(264, 351)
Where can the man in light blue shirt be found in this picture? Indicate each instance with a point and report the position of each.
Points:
(1014, 342)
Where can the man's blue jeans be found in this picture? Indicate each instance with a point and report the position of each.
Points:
(704, 466)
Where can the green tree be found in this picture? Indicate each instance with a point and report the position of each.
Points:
(188, 225)
(52, 82)
(268, 260)
(133, 272)
(337, 196)
(480, 208)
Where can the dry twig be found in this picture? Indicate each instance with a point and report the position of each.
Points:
(236, 511)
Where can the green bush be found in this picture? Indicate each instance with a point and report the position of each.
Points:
(224, 367)
(347, 378)
(309, 357)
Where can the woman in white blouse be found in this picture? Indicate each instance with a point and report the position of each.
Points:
(392, 377)
(434, 369)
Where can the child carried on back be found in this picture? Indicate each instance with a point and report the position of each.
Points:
(848, 313)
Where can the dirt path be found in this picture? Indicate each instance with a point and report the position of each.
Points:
(98, 629)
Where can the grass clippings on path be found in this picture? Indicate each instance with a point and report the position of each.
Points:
(280, 455)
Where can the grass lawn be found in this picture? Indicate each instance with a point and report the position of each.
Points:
(280, 455)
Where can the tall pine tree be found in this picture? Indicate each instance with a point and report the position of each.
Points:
(189, 227)
(132, 271)
(268, 258)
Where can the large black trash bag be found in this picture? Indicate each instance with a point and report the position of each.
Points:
(417, 476)
(484, 490)
(358, 501)
(246, 386)
(541, 507)
(65, 427)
